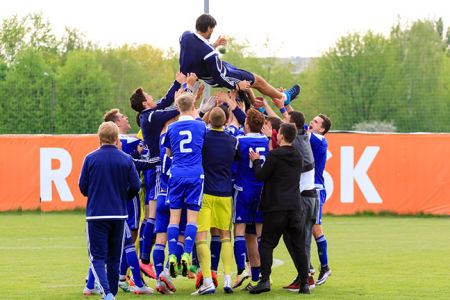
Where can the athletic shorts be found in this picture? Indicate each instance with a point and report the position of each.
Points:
(215, 212)
(163, 215)
(322, 197)
(152, 186)
(134, 213)
(185, 192)
(236, 75)
(246, 201)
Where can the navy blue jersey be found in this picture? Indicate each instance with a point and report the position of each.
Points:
(258, 143)
(319, 147)
(166, 162)
(185, 138)
(152, 120)
(219, 152)
(199, 56)
(109, 179)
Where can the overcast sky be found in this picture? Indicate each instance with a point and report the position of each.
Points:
(292, 27)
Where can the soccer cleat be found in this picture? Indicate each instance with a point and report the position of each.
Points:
(162, 288)
(249, 286)
(192, 274)
(123, 284)
(205, 289)
(89, 292)
(168, 282)
(173, 267)
(144, 290)
(261, 287)
(227, 285)
(214, 278)
(294, 286)
(291, 94)
(185, 258)
(199, 280)
(325, 272)
(147, 269)
(240, 279)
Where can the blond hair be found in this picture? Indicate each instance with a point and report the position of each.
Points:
(185, 102)
(217, 117)
(108, 133)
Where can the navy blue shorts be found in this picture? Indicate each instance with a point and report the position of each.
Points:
(134, 213)
(163, 215)
(245, 205)
(152, 184)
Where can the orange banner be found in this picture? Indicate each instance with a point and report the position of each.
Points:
(400, 173)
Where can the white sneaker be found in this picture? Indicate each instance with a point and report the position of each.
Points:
(240, 279)
(144, 290)
(90, 292)
(205, 289)
(123, 284)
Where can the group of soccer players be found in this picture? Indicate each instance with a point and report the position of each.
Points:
(197, 173)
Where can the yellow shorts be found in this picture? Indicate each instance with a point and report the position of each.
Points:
(215, 212)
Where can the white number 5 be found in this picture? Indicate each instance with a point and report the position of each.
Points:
(184, 141)
(261, 157)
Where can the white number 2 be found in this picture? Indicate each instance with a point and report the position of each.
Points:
(184, 141)
(262, 157)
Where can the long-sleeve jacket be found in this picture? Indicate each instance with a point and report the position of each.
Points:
(109, 179)
(281, 176)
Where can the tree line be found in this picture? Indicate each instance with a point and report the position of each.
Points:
(64, 85)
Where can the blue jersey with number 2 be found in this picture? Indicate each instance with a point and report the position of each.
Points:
(185, 139)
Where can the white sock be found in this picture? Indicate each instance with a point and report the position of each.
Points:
(284, 98)
(207, 281)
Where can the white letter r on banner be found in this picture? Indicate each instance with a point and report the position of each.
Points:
(58, 176)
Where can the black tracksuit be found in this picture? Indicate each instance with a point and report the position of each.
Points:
(282, 207)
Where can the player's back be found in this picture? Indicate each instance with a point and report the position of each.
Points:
(256, 142)
(129, 143)
(185, 139)
(193, 51)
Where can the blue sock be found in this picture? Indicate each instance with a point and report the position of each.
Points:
(133, 262)
(240, 252)
(216, 245)
(158, 258)
(180, 250)
(123, 264)
(255, 273)
(189, 237)
(90, 284)
(172, 237)
(321, 242)
(141, 236)
(148, 240)
(195, 261)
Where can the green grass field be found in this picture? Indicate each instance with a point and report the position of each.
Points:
(43, 256)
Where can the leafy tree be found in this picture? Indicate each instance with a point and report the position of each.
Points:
(84, 93)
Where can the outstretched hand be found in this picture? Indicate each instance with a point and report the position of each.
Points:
(191, 79)
(180, 77)
(221, 41)
(253, 155)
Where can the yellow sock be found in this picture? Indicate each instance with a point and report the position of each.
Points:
(204, 258)
(226, 254)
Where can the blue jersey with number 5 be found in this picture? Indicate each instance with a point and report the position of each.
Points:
(185, 138)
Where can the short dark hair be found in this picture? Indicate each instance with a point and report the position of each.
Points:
(298, 118)
(204, 22)
(289, 132)
(136, 100)
(326, 123)
(275, 122)
(224, 107)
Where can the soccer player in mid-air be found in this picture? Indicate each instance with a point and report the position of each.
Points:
(184, 140)
(198, 55)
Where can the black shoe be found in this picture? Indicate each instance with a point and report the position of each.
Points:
(325, 272)
(261, 287)
(304, 289)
